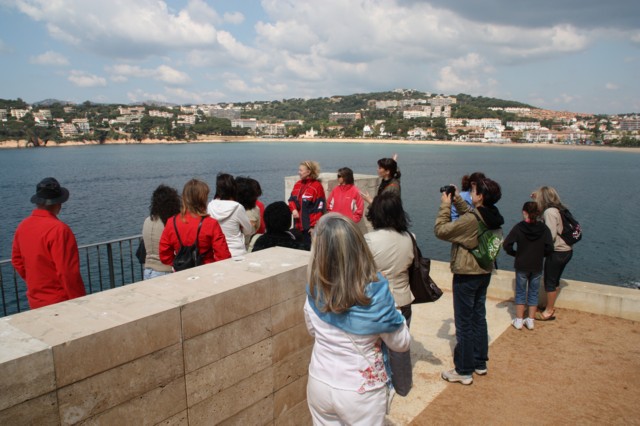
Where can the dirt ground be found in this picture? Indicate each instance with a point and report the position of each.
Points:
(581, 368)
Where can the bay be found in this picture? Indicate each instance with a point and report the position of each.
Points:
(111, 187)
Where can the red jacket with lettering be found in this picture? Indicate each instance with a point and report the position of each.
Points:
(45, 255)
(309, 200)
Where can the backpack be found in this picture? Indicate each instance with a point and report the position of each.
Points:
(187, 256)
(489, 244)
(571, 231)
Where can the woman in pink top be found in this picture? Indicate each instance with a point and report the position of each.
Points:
(345, 198)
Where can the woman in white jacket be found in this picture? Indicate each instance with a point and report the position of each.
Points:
(231, 216)
(351, 315)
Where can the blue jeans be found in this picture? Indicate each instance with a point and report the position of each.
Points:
(530, 296)
(470, 315)
(150, 273)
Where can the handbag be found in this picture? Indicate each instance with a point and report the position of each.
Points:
(424, 289)
(141, 252)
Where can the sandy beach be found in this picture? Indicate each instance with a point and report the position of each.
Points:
(245, 139)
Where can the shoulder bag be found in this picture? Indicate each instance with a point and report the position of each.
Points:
(422, 286)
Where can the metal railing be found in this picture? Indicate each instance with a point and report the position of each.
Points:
(103, 266)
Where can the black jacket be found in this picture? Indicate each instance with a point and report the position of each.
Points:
(533, 242)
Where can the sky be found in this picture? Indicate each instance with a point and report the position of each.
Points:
(566, 55)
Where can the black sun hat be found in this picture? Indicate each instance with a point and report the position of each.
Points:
(49, 192)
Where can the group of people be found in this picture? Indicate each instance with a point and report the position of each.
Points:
(359, 300)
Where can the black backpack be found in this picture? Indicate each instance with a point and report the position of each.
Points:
(188, 256)
(571, 231)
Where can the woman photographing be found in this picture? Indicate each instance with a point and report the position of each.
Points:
(470, 280)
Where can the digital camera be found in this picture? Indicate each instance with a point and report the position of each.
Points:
(449, 189)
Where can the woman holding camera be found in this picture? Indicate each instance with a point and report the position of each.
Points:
(470, 281)
(351, 314)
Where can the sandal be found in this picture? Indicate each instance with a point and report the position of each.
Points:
(540, 316)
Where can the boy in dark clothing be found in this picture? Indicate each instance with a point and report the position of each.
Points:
(533, 242)
(277, 218)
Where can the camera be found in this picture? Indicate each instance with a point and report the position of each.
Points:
(449, 189)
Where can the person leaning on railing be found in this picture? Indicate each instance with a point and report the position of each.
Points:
(45, 252)
(211, 240)
(165, 202)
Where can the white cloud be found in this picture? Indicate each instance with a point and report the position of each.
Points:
(469, 74)
(122, 28)
(611, 86)
(163, 73)
(84, 79)
(141, 96)
(234, 18)
(49, 58)
(169, 75)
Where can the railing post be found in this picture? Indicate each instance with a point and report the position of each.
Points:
(112, 276)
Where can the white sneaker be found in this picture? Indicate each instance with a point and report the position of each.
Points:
(528, 322)
(453, 377)
(517, 323)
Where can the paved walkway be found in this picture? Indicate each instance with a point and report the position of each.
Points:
(515, 389)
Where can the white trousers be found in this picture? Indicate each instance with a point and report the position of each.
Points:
(330, 406)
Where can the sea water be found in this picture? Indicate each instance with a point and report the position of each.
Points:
(111, 188)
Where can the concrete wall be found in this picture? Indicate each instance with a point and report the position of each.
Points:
(220, 344)
(579, 295)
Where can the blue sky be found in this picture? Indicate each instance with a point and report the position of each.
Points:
(574, 55)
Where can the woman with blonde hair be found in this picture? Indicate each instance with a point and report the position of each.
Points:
(550, 205)
(193, 221)
(351, 314)
(307, 201)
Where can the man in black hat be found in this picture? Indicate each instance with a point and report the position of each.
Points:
(45, 252)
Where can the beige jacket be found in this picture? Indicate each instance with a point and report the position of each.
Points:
(553, 220)
(463, 234)
(393, 253)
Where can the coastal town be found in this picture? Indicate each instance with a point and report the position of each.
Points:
(396, 115)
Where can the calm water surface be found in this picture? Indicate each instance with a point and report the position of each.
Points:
(111, 185)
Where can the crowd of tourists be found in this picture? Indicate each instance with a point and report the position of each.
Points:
(359, 303)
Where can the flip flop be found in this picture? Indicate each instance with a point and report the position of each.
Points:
(541, 317)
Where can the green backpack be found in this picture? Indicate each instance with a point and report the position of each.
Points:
(489, 244)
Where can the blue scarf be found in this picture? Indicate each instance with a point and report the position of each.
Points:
(380, 316)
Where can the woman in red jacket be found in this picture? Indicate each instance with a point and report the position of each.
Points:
(307, 202)
(211, 241)
(345, 198)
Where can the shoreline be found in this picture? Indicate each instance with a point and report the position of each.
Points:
(22, 144)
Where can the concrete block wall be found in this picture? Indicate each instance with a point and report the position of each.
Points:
(220, 344)
(601, 299)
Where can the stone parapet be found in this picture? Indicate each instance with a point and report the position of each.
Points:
(601, 299)
(218, 344)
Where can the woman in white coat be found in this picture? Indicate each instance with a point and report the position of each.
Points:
(351, 315)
